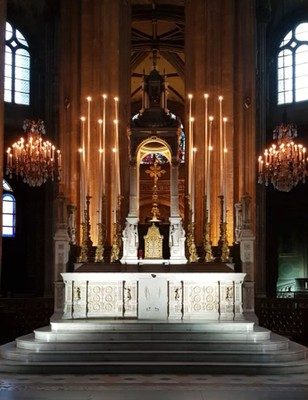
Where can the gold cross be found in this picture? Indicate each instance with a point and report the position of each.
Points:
(155, 172)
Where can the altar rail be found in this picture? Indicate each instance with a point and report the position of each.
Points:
(188, 296)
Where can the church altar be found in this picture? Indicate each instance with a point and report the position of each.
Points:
(154, 295)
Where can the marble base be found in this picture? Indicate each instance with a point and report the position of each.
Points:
(118, 346)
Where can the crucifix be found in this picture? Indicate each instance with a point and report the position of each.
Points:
(155, 172)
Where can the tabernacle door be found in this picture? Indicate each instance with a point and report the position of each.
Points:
(153, 298)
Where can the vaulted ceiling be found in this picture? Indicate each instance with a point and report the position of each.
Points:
(158, 26)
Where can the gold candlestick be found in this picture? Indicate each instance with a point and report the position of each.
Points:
(117, 234)
(101, 238)
(207, 243)
(86, 244)
(223, 247)
(190, 242)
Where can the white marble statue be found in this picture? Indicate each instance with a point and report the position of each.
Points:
(130, 241)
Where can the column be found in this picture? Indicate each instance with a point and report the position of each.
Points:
(130, 232)
(210, 68)
(174, 188)
(97, 63)
(244, 144)
(177, 233)
(2, 42)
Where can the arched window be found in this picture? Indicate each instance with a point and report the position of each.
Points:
(293, 65)
(17, 67)
(8, 211)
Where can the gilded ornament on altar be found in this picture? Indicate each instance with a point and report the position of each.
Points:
(99, 254)
(223, 245)
(207, 243)
(153, 243)
(115, 250)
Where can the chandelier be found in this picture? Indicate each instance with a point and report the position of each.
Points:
(284, 163)
(32, 158)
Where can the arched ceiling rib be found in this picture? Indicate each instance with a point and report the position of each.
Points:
(158, 26)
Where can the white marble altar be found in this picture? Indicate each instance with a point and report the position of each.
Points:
(207, 296)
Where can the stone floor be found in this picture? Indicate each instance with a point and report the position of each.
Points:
(152, 387)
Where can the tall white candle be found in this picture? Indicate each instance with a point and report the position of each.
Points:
(115, 196)
(221, 152)
(193, 197)
(190, 146)
(88, 149)
(104, 143)
(225, 167)
(117, 153)
(100, 171)
(82, 168)
(206, 96)
(208, 177)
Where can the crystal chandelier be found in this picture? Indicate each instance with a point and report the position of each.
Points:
(284, 163)
(32, 158)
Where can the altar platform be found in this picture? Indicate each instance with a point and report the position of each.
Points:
(162, 320)
(87, 346)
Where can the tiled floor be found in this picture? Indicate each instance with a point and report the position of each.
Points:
(153, 387)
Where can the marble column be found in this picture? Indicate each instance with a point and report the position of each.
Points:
(61, 254)
(263, 13)
(177, 233)
(130, 232)
(210, 64)
(94, 59)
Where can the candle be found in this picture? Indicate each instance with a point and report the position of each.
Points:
(100, 150)
(206, 96)
(225, 167)
(82, 167)
(190, 147)
(104, 143)
(117, 156)
(115, 172)
(208, 178)
(193, 185)
(88, 149)
(221, 152)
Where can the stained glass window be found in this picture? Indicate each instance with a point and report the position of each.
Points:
(150, 159)
(17, 67)
(292, 66)
(8, 211)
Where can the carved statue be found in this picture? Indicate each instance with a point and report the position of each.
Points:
(131, 235)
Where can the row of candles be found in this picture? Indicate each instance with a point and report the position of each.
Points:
(85, 154)
(208, 140)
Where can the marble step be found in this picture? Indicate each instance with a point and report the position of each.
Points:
(275, 343)
(259, 334)
(100, 325)
(292, 367)
(294, 353)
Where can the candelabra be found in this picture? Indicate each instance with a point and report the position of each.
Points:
(86, 243)
(101, 237)
(191, 246)
(33, 159)
(116, 234)
(223, 247)
(207, 244)
(284, 163)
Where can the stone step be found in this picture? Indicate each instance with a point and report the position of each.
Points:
(100, 325)
(294, 353)
(276, 343)
(46, 334)
(292, 367)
